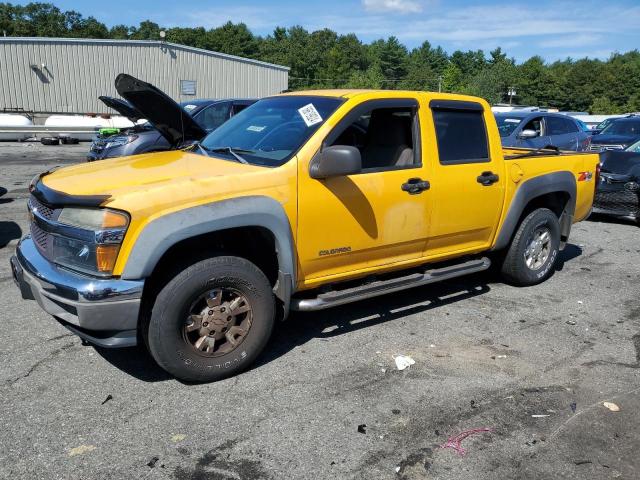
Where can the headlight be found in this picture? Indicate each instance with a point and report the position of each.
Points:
(89, 240)
(119, 141)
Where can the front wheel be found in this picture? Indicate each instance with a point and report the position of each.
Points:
(211, 320)
(534, 249)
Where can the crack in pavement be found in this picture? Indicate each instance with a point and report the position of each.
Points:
(40, 362)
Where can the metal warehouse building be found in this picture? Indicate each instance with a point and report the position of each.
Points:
(67, 75)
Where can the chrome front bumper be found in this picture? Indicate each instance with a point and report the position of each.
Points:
(102, 311)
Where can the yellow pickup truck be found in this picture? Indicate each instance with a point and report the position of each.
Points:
(303, 201)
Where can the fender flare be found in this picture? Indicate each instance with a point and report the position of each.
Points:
(563, 182)
(252, 211)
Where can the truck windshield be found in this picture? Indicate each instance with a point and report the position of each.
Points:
(506, 125)
(271, 131)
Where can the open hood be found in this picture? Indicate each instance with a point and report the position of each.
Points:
(176, 125)
(123, 107)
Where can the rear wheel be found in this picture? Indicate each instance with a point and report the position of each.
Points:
(211, 320)
(534, 249)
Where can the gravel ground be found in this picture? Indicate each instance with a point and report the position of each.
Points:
(532, 364)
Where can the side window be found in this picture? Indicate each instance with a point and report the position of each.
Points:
(461, 135)
(386, 137)
(237, 108)
(213, 116)
(571, 126)
(556, 126)
(535, 125)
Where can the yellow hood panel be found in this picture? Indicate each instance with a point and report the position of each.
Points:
(120, 175)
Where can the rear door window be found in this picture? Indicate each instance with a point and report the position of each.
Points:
(461, 133)
(559, 126)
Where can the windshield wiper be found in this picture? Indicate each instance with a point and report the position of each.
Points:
(202, 148)
(232, 151)
(542, 151)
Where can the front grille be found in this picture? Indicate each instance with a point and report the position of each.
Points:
(598, 147)
(621, 202)
(42, 239)
(43, 210)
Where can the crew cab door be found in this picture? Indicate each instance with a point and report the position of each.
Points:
(468, 178)
(348, 224)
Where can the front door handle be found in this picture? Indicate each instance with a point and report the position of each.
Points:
(488, 178)
(415, 186)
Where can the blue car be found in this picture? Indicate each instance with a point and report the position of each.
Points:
(541, 129)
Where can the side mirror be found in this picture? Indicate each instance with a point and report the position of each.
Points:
(526, 134)
(335, 161)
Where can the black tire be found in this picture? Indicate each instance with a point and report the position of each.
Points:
(515, 269)
(169, 345)
(50, 141)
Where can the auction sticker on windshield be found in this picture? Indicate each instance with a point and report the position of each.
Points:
(310, 115)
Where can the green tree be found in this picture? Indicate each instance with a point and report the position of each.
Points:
(390, 56)
(147, 30)
(633, 104)
(469, 63)
(346, 57)
(234, 39)
(371, 78)
(120, 32)
(602, 106)
(452, 79)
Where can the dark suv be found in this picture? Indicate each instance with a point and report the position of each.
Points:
(618, 135)
(205, 115)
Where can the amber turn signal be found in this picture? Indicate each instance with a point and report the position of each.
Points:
(113, 219)
(106, 256)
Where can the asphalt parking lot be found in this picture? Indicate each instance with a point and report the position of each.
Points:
(534, 365)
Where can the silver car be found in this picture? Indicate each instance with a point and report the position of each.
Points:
(541, 129)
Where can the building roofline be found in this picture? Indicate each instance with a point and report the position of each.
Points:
(158, 43)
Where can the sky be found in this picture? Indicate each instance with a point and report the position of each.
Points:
(523, 28)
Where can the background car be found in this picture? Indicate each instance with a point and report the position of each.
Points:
(583, 126)
(618, 192)
(147, 137)
(539, 129)
(618, 135)
(602, 125)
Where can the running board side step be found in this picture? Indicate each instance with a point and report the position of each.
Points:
(381, 287)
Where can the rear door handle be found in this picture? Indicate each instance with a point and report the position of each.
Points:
(413, 186)
(487, 178)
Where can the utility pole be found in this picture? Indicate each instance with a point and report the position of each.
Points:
(439, 83)
(512, 93)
